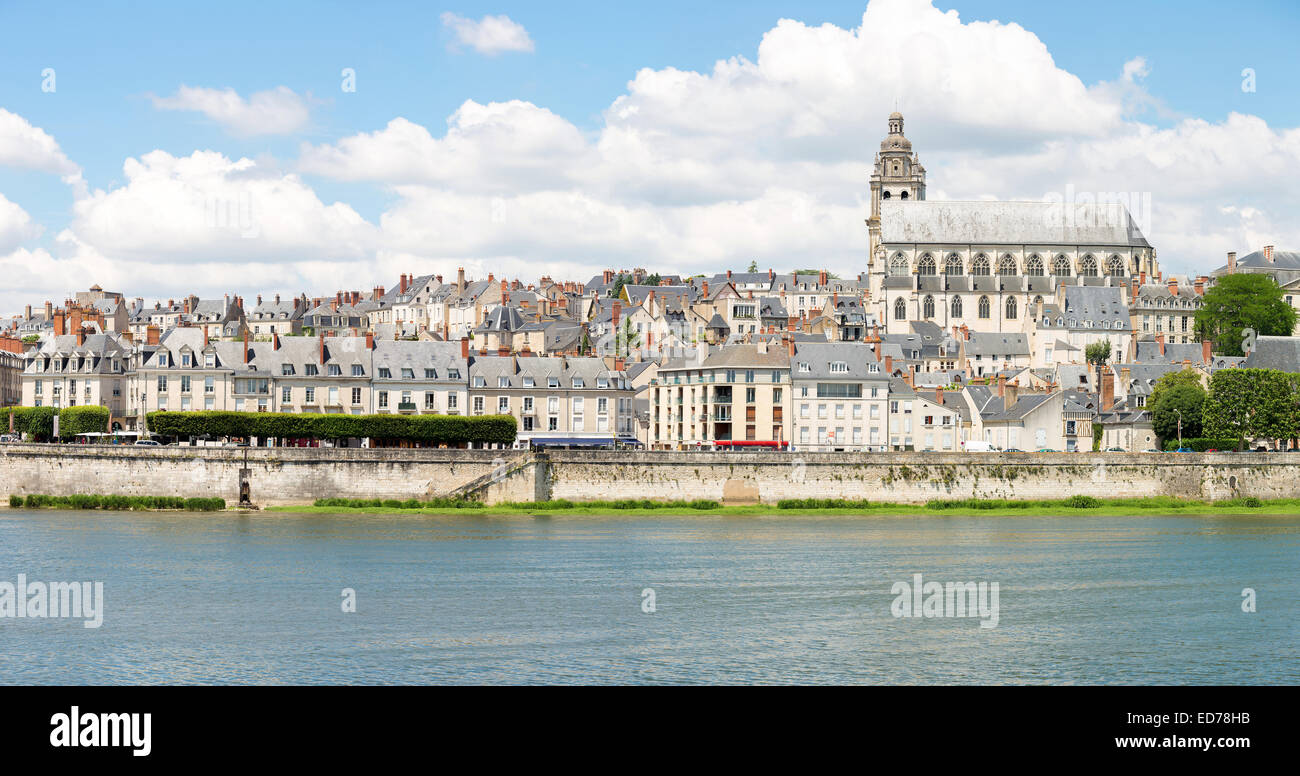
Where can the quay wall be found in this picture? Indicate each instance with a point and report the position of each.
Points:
(287, 476)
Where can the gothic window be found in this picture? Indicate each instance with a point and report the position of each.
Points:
(926, 265)
(1011, 308)
(956, 307)
(928, 308)
(1088, 267)
(900, 309)
(1034, 266)
(953, 265)
(980, 266)
(1061, 266)
(1006, 265)
(1114, 266)
(984, 307)
(898, 266)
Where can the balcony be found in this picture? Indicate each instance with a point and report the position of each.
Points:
(406, 406)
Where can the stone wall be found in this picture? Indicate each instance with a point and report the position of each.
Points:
(299, 476)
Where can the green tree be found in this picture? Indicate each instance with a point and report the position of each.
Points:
(1240, 301)
(753, 266)
(626, 339)
(1181, 402)
(1247, 404)
(1097, 354)
(1186, 376)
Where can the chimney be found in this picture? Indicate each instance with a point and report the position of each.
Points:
(60, 319)
(27, 313)
(1136, 287)
(889, 366)
(789, 344)
(938, 395)
(1232, 261)
(205, 336)
(401, 289)
(1207, 353)
(81, 336)
(246, 346)
(770, 275)
(965, 332)
(1125, 377)
(460, 280)
(1002, 386)
(608, 276)
(1199, 286)
(505, 293)
(1160, 340)
(1142, 278)
(728, 274)
(275, 342)
(151, 333)
(1268, 253)
(322, 348)
(911, 376)
(503, 351)
(1107, 388)
(49, 311)
(706, 290)
(464, 347)
(617, 313)
(1173, 286)
(821, 278)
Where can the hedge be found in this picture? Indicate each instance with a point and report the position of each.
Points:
(435, 429)
(38, 422)
(1201, 444)
(91, 501)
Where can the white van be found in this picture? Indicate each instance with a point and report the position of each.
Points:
(979, 446)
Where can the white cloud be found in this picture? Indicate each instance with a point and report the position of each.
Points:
(208, 208)
(278, 111)
(490, 35)
(15, 225)
(26, 146)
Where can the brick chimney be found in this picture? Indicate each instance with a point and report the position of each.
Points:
(1160, 340)
(505, 293)
(889, 366)
(771, 276)
(1173, 286)
(401, 289)
(728, 274)
(60, 319)
(965, 332)
(246, 346)
(1107, 388)
(503, 351)
(1268, 253)
(1232, 261)
(789, 345)
(151, 333)
(321, 348)
(81, 336)
(460, 280)
(617, 312)
(911, 375)
(1207, 352)
(706, 289)
(938, 396)
(27, 313)
(49, 311)
(464, 347)
(1002, 386)
(275, 342)
(1137, 286)
(1199, 286)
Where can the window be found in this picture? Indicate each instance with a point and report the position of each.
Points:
(310, 396)
(578, 383)
(480, 381)
(478, 405)
(430, 374)
(953, 265)
(385, 372)
(335, 370)
(310, 370)
(1034, 266)
(1011, 308)
(1088, 267)
(927, 308)
(503, 382)
(451, 401)
(356, 395)
(334, 396)
(898, 266)
(900, 309)
(984, 307)
(383, 399)
(185, 384)
(185, 359)
(209, 385)
(925, 266)
(162, 383)
(357, 371)
(1114, 265)
(286, 395)
(529, 382)
(980, 265)
(286, 369)
(503, 405)
(453, 374)
(1006, 265)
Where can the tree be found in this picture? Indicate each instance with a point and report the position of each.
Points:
(1181, 402)
(1247, 404)
(1186, 376)
(753, 266)
(1098, 353)
(1240, 301)
(626, 339)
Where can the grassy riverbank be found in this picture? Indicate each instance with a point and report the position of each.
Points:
(1161, 505)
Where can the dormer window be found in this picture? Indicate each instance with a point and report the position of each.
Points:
(839, 366)
(335, 370)
(185, 359)
(209, 360)
(408, 374)
(578, 383)
(529, 382)
(480, 382)
(385, 372)
(552, 382)
(286, 369)
(310, 370)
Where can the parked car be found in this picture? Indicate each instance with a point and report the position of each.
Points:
(1114, 450)
(1184, 450)
(1150, 450)
(1014, 450)
(6, 438)
(148, 443)
(1046, 450)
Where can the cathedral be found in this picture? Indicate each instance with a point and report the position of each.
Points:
(986, 265)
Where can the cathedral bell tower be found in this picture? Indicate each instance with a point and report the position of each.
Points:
(897, 175)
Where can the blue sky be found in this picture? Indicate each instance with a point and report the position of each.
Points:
(112, 60)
